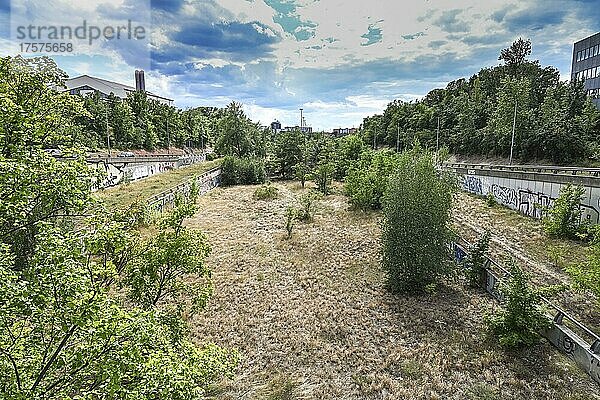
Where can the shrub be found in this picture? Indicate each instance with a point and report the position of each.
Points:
(521, 319)
(242, 171)
(290, 220)
(416, 211)
(563, 219)
(490, 200)
(475, 262)
(266, 192)
(366, 183)
(323, 177)
(307, 206)
(587, 274)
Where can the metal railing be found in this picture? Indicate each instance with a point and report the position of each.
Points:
(166, 199)
(543, 169)
(565, 339)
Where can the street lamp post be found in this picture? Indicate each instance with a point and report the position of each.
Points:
(398, 139)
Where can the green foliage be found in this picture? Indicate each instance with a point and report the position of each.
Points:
(288, 152)
(563, 219)
(323, 177)
(291, 214)
(475, 263)
(490, 200)
(307, 210)
(266, 192)
(416, 211)
(242, 171)
(521, 319)
(366, 182)
(237, 135)
(348, 154)
(586, 275)
(66, 328)
(555, 120)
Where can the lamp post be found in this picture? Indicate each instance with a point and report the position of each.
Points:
(398, 139)
(437, 142)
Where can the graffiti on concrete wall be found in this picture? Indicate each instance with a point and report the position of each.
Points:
(115, 174)
(473, 184)
(525, 200)
(534, 204)
(504, 195)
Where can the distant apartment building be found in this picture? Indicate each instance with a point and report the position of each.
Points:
(586, 65)
(344, 131)
(86, 84)
(276, 126)
(303, 129)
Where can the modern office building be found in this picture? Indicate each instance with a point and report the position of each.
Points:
(586, 65)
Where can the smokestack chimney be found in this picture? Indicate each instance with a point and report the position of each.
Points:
(140, 82)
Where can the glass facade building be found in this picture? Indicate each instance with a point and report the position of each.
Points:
(586, 65)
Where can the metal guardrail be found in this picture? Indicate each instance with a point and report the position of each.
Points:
(586, 355)
(543, 169)
(165, 200)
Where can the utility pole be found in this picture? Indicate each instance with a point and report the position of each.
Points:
(437, 141)
(398, 139)
(301, 119)
(168, 136)
(375, 139)
(512, 141)
(107, 131)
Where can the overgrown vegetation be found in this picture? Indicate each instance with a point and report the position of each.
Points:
(555, 119)
(242, 171)
(266, 192)
(89, 308)
(475, 263)
(367, 180)
(563, 219)
(587, 274)
(519, 322)
(416, 211)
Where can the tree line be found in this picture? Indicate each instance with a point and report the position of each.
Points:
(553, 120)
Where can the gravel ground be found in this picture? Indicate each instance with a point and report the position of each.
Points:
(312, 318)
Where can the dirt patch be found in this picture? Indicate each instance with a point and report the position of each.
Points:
(312, 318)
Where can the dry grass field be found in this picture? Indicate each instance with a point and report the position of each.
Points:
(312, 318)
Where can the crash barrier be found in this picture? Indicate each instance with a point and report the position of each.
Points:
(164, 201)
(566, 333)
(531, 190)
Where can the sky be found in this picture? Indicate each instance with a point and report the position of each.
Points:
(339, 60)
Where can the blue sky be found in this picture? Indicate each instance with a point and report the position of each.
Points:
(340, 60)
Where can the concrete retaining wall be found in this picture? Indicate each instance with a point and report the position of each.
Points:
(528, 191)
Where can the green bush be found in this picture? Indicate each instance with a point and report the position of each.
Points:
(416, 211)
(266, 192)
(366, 182)
(307, 210)
(242, 171)
(586, 275)
(521, 319)
(475, 262)
(323, 177)
(291, 214)
(563, 219)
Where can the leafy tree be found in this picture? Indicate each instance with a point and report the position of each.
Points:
(517, 53)
(563, 219)
(288, 152)
(586, 275)
(416, 213)
(234, 138)
(367, 181)
(66, 330)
